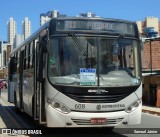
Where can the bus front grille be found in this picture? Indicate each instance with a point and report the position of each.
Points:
(87, 121)
(97, 98)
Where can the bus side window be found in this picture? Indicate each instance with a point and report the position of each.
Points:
(18, 61)
(29, 55)
(25, 58)
(33, 54)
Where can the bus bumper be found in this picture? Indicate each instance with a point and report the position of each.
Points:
(83, 119)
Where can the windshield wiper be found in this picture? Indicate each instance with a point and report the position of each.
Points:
(79, 45)
(121, 36)
(89, 61)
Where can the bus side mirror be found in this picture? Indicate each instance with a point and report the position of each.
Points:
(41, 67)
(9, 71)
(12, 68)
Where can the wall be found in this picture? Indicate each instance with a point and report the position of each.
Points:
(155, 48)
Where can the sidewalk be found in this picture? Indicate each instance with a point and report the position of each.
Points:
(6, 123)
(2, 124)
(151, 110)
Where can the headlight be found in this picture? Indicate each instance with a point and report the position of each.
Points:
(58, 106)
(133, 106)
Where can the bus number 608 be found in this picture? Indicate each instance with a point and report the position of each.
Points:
(79, 106)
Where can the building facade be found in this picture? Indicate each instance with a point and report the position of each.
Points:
(18, 40)
(5, 51)
(150, 62)
(149, 22)
(44, 17)
(26, 32)
(26, 27)
(11, 25)
(150, 56)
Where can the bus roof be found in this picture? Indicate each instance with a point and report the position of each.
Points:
(94, 18)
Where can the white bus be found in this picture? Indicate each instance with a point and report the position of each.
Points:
(79, 72)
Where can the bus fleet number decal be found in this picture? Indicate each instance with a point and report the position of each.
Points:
(79, 106)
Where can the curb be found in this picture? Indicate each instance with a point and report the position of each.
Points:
(151, 112)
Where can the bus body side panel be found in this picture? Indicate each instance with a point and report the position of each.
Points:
(139, 92)
(16, 89)
(135, 116)
(28, 90)
(25, 90)
(10, 85)
(20, 82)
(10, 91)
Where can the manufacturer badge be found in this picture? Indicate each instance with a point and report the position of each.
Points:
(98, 107)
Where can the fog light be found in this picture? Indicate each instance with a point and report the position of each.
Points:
(56, 105)
(63, 109)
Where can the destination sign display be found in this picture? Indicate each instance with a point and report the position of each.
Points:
(85, 25)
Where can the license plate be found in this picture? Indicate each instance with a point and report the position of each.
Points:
(98, 120)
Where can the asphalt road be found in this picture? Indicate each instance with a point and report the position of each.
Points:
(149, 123)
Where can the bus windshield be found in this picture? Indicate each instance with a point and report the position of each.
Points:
(92, 61)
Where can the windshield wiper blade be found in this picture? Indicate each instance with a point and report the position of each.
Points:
(79, 45)
(89, 61)
(121, 36)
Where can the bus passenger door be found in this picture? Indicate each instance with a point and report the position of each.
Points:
(21, 79)
(36, 97)
(40, 90)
